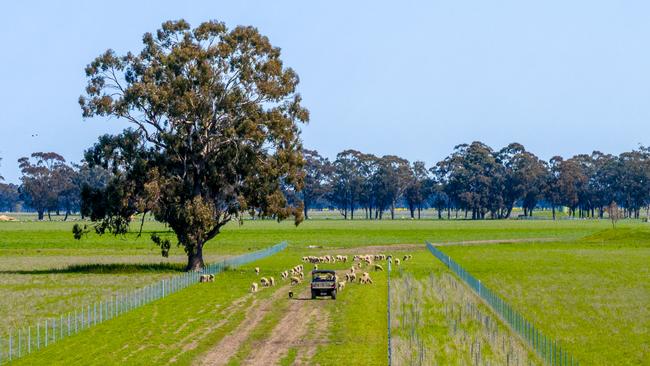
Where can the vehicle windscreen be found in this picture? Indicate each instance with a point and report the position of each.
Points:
(320, 277)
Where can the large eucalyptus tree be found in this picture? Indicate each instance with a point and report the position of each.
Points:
(215, 117)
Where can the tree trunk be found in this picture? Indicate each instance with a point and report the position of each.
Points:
(67, 213)
(553, 208)
(40, 215)
(306, 209)
(195, 259)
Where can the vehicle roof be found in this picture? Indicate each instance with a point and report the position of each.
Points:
(323, 271)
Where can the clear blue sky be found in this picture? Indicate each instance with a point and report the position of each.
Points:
(406, 78)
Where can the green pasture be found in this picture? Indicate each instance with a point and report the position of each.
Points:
(588, 287)
(591, 294)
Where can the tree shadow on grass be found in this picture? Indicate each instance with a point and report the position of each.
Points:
(108, 268)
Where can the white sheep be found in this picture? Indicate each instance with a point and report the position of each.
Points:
(264, 281)
(295, 280)
(378, 267)
(351, 277)
(254, 287)
(365, 279)
(397, 261)
(257, 271)
(340, 286)
(271, 281)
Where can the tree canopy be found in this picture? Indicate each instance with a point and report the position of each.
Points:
(215, 117)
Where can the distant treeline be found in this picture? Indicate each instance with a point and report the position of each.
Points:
(479, 182)
(474, 179)
(49, 184)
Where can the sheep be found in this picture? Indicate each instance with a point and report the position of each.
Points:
(351, 277)
(378, 267)
(203, 278)
(397, 261)
(301, 275)
(315, 267)
(340, 286)
(254, 287)
(210, 278)
(352, 269)
(264, 281)
(365, 279)
(295, 280)
(257, 271)
(271, 281)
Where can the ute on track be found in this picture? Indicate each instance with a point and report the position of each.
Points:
(323, 283)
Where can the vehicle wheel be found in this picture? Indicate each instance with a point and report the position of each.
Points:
(334, 295)
(313, 295)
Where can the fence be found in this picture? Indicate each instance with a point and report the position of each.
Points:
(390, 347)
(46, 332)
(549, 350)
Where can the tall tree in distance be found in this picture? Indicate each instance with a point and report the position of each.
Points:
(419, 188)
(216, 131)
(317, 173)
(40, 183)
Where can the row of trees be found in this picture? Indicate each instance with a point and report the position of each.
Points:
(479, 182)
(475, 180)
(49, 184)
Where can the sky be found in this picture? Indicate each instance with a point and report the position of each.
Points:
(406, 78)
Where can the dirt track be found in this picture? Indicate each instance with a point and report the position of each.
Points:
(292, 331)
(221, 353)
(388, 247)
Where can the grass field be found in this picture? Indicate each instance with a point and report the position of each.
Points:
(592, 285)
(593, 294)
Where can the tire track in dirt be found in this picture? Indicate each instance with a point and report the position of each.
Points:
(221, 353)
(292, 332)
(373, 249)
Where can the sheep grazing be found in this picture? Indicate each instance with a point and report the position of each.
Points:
(264, 281)
(352, 269)
(397, 261)
(365, 279)
(315, 266)
(340, 286)
(351, 277)
(378, 267)
(257, 271)
(271, 281)
(301, 275)
(254, 287)
(203, 278)
(295, 280)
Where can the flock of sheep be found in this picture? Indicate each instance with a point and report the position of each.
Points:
(296, 274)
